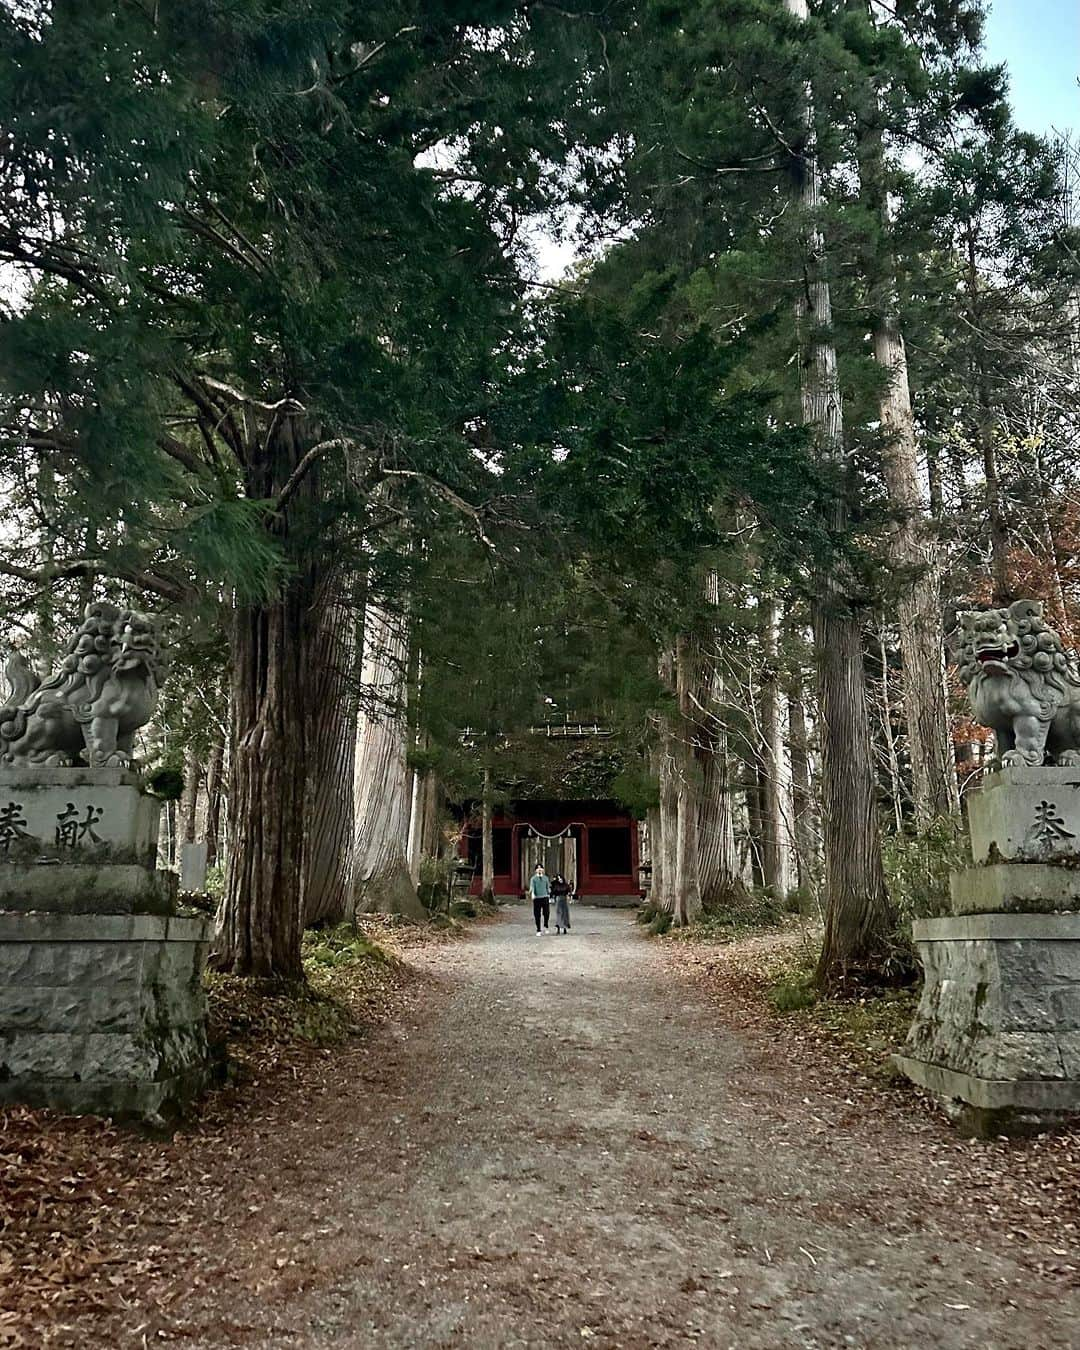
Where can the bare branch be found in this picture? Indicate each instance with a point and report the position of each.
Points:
(304, 466)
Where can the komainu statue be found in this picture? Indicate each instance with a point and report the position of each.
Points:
(89, 711)
(1022, 684)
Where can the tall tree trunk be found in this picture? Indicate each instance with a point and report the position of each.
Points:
(487, 843)
(801, 794)
(986, 428)
(666, 846)
(430, 843)
(189, 800)
(669, 830)
(381, 872)
(718, 859)
(687, 898)
(896, 790)
(215, 774)
(771, 747)
(332, 714)
(416, 807)
(858, 917)
(754, 796)
(423, 821)
(264, 899)
(274, 650)
(656, 858)
(914, 554)
(913, 549)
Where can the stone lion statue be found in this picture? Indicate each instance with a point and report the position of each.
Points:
(89, 711)
(1022, 684)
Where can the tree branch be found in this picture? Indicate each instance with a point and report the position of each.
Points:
(448, 494)
(304, 466)
(47, 577)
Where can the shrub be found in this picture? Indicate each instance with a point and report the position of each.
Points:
(340, 946)
(793, 993)
(433, 886)
(917, 869)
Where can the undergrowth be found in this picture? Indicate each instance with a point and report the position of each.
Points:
(755, 911)
(917, 869)
(348, 977)
(873, 1023)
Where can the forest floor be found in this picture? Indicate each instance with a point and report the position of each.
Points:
(593, 1139)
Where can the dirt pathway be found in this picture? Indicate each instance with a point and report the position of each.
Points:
(559, 1145)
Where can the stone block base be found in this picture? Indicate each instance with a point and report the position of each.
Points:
(103, 1014)
(81, 888)
(97, 816)
(997, 1032)
(1016, 888)
(987, 1108)
(1026, 814)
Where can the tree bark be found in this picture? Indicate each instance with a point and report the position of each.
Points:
(665, 847)
(896, 791)
(264, 899)
(801, 793)
(487, 843)
(687, 897)
(275, 653)
(858, 917)
(913, 549)
(332, 709)
(381, 872)
(718, 859)
(914, 553)
(189, 801)
(753, 796)
(430, 842)
(986, 427)
(669, 832)
(771, 748)
(656, 858)
(215, 774)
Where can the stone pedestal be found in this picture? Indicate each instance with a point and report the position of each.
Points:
(101, 1002)
(103, 1013)
(997, 1033)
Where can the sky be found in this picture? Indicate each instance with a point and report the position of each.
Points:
(1039, 40)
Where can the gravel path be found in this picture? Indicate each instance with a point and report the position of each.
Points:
(559, 1145)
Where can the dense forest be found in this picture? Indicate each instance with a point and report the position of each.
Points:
(279, 364)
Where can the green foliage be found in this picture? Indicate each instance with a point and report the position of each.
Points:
(433, 886)
(793, 993)
(637, 790)
(166, 783)
(917, 869)
(340, 946)
(660, 922)
(257, 259)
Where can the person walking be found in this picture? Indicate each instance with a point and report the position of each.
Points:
(540, 890)
(560, 889)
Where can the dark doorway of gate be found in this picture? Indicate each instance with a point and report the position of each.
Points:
(593, 843)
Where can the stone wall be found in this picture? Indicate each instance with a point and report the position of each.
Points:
(102, 1013)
